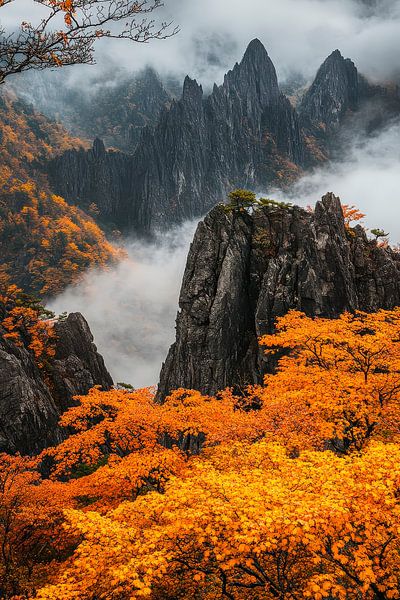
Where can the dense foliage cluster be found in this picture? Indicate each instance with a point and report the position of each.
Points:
(27, 139)
(45, 243)
(289, 492)
(26, 323)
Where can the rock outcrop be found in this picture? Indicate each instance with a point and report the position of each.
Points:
(245, 133)
(93, 176)
(244, 270)
(30, 401)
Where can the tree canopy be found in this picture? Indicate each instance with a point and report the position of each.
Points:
(206, 497)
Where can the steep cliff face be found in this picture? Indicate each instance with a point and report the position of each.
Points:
(341, 103)
(245, 270)
(245, 133)
(94, 176)
(334, 91)
(31, 402)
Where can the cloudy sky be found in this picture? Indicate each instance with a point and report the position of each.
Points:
(298, 35)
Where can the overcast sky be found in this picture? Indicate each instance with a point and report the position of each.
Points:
(298, 35)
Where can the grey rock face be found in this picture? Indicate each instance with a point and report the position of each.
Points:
(97, 176)
(334, 91)
(243, 134)
(30, 402)
(28, 413)
(77, 365)
(245, 270)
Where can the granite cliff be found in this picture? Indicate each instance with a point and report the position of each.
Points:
(32, 400)
(244, 270)
(244, 133)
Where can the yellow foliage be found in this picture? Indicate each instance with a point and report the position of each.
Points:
(202, 497)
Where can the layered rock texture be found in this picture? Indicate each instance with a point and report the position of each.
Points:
(31, 401)
(336, 89)
(244, 270)
(245, 133)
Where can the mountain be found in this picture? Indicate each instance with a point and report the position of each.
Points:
(245, 270)
(31, 398)
(246, 133)
(334, 92)
(28, 139)
(113, 106)
(341, 104)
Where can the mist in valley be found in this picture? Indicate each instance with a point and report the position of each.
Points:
(131, 307)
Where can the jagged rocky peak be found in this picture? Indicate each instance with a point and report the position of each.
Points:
(32, 400)
(244, 134)
(192, 91)
(254, 78)
(334, 91)
(244, 270)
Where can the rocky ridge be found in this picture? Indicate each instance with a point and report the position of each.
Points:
(245, 134)
(244, 270)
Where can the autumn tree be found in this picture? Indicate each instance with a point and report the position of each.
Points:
(340, 383)
(247, 521)
(68, 30)
(351, 214)
(31, 535)
(24, 321)
(290, 492)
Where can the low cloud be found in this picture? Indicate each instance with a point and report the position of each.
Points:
(368, 176)
(298, 34)
(131, 309)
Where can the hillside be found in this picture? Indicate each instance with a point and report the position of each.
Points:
(114, 106)
(45, 243)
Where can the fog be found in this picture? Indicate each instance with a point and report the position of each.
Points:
(298, 34)
(368, 176)
(131, 308)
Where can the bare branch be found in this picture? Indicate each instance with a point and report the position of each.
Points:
(68, 33)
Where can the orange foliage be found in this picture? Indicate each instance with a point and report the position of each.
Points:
(45, 243)
(23, 325)
(27, 137)
(53, 241)
(203, 497)
(351, 214)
